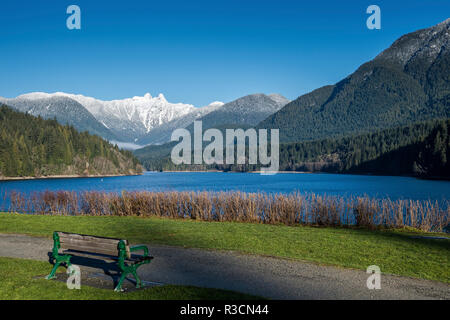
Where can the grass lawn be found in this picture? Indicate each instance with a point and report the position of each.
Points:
(394, 251)
(16, 278)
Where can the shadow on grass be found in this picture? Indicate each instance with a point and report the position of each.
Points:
(407, 236)
(105, 263)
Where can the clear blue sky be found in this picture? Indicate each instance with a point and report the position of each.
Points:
(196, 51)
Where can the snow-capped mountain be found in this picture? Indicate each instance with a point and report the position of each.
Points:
(245, 111)
(126, 120)
(64, 109)
(145, 112)
(139, 121)
(129, 118)
(162, 133)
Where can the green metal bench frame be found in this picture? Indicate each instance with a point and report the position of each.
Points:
(125, 266)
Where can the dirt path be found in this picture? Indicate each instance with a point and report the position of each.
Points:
(264, 276)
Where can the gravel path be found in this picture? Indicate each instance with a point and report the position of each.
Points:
(263, 276)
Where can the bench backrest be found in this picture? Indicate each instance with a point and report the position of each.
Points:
(93, 244)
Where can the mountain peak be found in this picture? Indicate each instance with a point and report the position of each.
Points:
(445, 22)
(216, 104)
(127, 119)
(35, 95)
(425, 44)
(406, 83)
(162, 98)
(280, 99)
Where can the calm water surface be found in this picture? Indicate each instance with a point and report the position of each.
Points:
(331, 184)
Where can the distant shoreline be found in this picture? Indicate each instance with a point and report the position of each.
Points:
(206, 171)
(184, 171)
(316, 172)
(66, 176)
(258, 171)
(170, 171)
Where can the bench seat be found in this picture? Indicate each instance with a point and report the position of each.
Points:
(112, 248)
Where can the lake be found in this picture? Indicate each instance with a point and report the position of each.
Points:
(331, 184)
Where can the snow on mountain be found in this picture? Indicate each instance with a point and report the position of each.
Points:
(425, 45)
(130, 118)
(64, 109)
(162, 133)
(248, 110)
(140, 121)
(215, 104)
(133, 117)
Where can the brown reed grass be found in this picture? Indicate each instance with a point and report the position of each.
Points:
(288, 209)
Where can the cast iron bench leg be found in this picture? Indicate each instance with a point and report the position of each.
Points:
(130, 269)
(119, 284)
(58, 259)
(126, 271)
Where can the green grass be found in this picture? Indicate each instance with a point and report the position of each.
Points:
(17, 279)
(394, 251)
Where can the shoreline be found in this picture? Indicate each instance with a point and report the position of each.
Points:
(208, 171)
(205, 171)
(66, 176)
(434, 178)
(184, 171)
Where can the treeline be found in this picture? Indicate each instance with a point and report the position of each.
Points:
(421, 149)
(32, 146)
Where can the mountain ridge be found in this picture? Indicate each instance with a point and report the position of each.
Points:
(63, 109)
(122, 120)
(139, 121)
(367, 121)
(406, 83)
(244, 111)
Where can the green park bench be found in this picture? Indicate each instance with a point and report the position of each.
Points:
(116, 249)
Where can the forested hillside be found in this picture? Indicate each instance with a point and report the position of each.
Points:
(34, 147)
(407, 83)
(421, 150)
(388, 117)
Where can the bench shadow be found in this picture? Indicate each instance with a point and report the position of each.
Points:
(107, 264)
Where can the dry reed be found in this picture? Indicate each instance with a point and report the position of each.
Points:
(288, 209)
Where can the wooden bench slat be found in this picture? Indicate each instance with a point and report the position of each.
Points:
(89, 244)
(75, 236)
(93, 244)
(93, 250)
(77, 240)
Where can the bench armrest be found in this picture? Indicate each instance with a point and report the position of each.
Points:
(138, 248)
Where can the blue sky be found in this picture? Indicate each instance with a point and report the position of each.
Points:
(196, 51)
